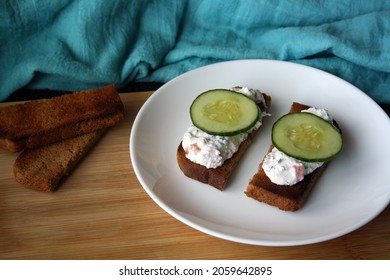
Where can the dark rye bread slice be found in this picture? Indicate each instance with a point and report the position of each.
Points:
(41, 122)
(287, 198)
(217, 177)
(43, 168)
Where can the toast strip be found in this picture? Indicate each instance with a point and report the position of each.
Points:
(43, 168)
(216, 177)
(287, 198)
(41, 122)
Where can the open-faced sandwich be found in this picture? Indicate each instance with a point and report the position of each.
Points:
(303, 143)
(224, 124)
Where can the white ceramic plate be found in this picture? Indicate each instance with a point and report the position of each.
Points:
(354, 189)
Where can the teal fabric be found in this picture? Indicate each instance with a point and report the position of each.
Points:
(73, 45)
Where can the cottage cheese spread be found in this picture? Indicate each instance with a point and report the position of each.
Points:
(322, 113)
(211, 151)
(285, 170)
(255, 94)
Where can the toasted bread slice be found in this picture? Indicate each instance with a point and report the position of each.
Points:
(217, 177)
(287, 198)
(43, 168)
(41, 122)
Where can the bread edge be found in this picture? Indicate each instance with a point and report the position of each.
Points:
(36, 182)
(68, 130)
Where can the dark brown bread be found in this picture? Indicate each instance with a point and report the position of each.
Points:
(287, 198)
(41, 122)
(43, 168)
(216, 177)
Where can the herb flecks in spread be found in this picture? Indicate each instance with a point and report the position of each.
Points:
(211, 150)
(282, 169)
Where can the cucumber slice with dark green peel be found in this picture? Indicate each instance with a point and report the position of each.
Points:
(306, 137)
(224, 112)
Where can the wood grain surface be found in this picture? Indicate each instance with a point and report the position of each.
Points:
(102, 212)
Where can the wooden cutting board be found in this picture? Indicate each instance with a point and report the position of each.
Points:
(102, 212)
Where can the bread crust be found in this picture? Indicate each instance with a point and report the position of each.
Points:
(40, 122)
(43, 168)
(217, 177)
(287, 198)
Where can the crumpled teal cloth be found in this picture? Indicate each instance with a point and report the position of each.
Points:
(73, 45)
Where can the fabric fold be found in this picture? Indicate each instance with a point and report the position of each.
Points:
(74, 45)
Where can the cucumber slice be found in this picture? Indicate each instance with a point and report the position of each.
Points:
(306, 137)
(224, 112)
